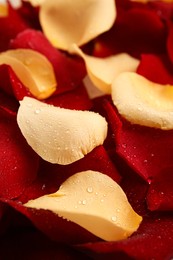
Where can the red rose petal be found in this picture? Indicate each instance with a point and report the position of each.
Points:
(170, 41)
(160, 194)
(18, 163)
(55, 227)
(69, 71)
(31, 244)
(141, 147)
(51, 176)
(10, 27)
(153, 240)
(8, 104)
(135, 31)
(156, 68)
(75, 99)
(11, 83)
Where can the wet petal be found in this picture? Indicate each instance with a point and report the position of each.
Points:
(143, 102)
(95, 202)
(60, 135)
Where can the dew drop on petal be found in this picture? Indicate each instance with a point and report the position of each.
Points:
(89, 189)
(113, 218)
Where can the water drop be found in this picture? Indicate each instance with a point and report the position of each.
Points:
(84, 202)
(89, 189)
(37, 111)
(102, 200)
(113, 218)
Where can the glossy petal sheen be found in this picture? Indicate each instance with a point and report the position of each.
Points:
(143, 102)
(33, 69)
(60, 135)
(94, 201)
(68, 22)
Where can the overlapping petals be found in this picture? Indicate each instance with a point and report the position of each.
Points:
(139, 158)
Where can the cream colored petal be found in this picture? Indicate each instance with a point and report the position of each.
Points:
(102, 71)
(60, 135)
(33, 69)
(95, 202)
(143, 102)
(67, 22)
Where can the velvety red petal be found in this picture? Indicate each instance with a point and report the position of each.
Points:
(10, 27)
(55, 227)
(75, 99)
(18, 163)
(8, 104)
(11, 84)
(153, 240)
(141, 147)
(160, 194)
(31, 244)
(51, 176)
(156, 68)
(170, 41)
(136, 31)
(69, 71)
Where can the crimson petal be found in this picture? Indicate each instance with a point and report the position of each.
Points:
(136, 31)
(141, 147)
(18, 163)
(11, 25)
(69, 71)
(156, 68)
(153, 240)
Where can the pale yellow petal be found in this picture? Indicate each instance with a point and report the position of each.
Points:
(143, 102)
(60, 135)
(95, 202)
(67, 22)
(102, 71)
(33, 69)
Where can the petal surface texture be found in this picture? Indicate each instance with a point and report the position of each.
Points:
(95, 202)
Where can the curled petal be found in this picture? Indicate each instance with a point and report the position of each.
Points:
(143, 102)
(68, 22)
(60, 135)
(95, 202)
(102, 71)
(33, 69)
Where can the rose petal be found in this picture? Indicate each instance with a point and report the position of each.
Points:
(98, 200)
(33, 69)
(156, 68)
(18, 163)
(75, 99)
(10, 27)
(51, 176)
(143, 102)
(141, 147)
(160, 194)
(136, 30)
(89, 18)
(153, 231)
(63, 141)
(69, 72)
(37, 246)
(103, 71)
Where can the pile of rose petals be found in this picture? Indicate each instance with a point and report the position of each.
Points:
(139, 158)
